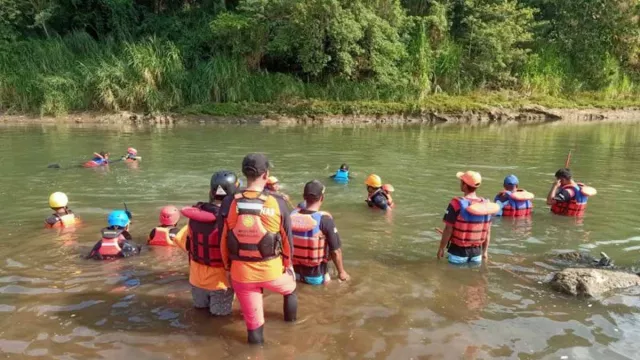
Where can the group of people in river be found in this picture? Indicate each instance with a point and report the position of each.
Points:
(242, 240)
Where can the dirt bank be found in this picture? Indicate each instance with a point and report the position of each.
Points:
(523, 115)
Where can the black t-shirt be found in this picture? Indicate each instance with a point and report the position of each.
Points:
(333, 243)
(378, 200)
(450, 217)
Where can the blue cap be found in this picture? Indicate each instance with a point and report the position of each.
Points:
(511, 180)
(118, 218)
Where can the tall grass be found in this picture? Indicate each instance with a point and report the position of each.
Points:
(76, 72)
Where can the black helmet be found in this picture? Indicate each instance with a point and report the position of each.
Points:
(223, 183)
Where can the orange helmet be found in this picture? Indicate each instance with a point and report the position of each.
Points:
(169, 216)
(373, 180)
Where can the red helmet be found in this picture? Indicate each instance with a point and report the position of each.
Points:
(132, 151)
(169, 216)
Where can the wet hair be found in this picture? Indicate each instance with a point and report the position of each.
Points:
(344, 167)
(563, 173)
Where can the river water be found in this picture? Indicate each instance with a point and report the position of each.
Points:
(401, 303)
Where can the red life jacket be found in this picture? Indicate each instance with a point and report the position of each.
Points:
(309, 246)
(574, 207)
(203, 243)
(472, 226)
(519, 203)
(109, 244)
(66, 220)
(248, 240)
(161, 237)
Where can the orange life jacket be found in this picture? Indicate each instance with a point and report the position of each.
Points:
(248, 240)
(309, 246)
(161, 237)
(471, 228)
(574, 207)
(66, 220)
(519, 203)
(109, 244)
(203, 243)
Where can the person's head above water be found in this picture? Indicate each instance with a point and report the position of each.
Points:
(256, 167)
(132, 151)
(469, 181)
(373, 182)
(313, 193)
(58, 201)
(169, 216)
(344, 167)
(273, 183)
(511, 183)
(223, 183)
(118, 219)
(564, 175)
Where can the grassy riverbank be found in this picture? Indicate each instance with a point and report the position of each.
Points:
(434, 103)
(242, 57)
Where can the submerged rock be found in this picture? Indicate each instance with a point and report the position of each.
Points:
(592, 282)
(586, 259)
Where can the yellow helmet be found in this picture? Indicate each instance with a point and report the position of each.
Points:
(58, 200)
(373, 180)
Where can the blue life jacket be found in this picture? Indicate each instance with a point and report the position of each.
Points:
(341, 176)
(99, 160)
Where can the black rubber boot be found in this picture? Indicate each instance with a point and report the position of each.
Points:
(291, 307)
(256, 337)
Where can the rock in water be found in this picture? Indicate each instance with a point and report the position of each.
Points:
(592, 282)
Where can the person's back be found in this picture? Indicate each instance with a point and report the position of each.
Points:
(256, 247)
(315, 239)
(165, 233)
(514, 202)
(62, 217)
(116, 240)
(378, 195)
(342, 175)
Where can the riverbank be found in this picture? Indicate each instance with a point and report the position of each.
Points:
(435, 110)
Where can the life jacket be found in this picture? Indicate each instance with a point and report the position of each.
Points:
(341, 176)
(161, 237)
(474, 220)
(66, 220)
(248, 240)
(578, 203)
(309, 246)
(519, 203)
(109, 244)
(203, 243)
(386, 194)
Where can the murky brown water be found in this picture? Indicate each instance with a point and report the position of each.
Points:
(401, 303)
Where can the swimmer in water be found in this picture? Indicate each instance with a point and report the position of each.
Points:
(132, 155)
(116, 240)
(165, 233)
(379, 196)
(62, 216)
(342, 175)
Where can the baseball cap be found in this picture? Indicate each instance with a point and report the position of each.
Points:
(511, 180)
(470, 178)
(255, 164)
(313, 189)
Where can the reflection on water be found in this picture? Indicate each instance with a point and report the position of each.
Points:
(401, 303)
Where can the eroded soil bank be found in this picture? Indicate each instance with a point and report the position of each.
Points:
(524, 115)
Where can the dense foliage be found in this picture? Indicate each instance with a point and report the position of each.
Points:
(63, 55)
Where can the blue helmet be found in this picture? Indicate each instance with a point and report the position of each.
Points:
(118, 218)
(511, 180)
